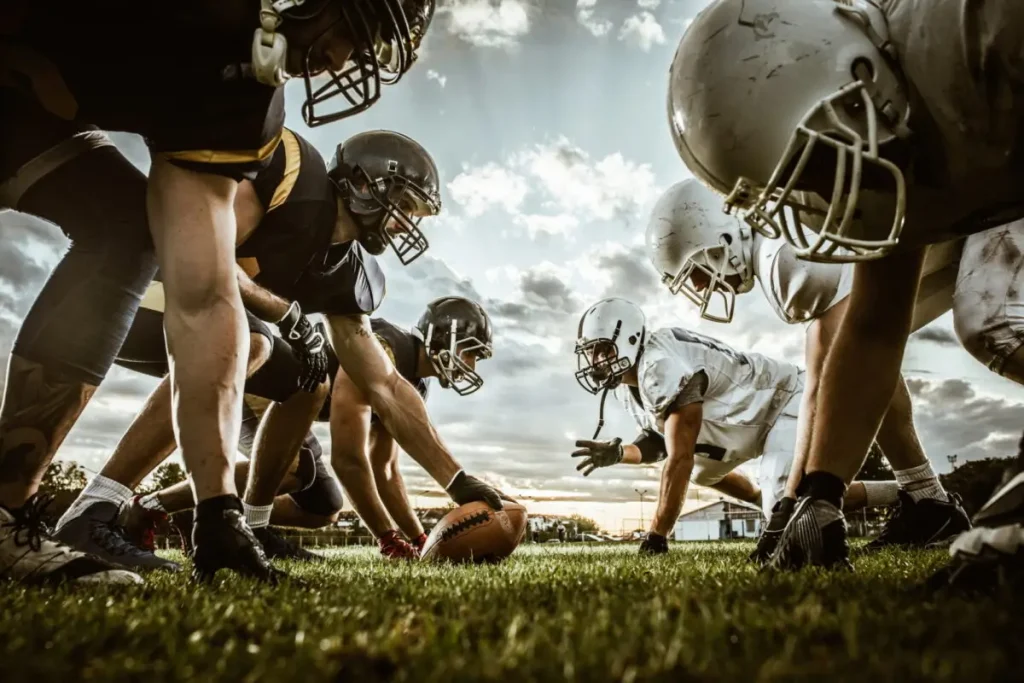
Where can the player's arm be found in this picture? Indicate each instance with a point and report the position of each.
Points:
(390, 484)
(736, 485)
(682, 425)
(308, 340)
(872, 337)
(817, 340)
(350, 428)
(648, 448)
(400, 407)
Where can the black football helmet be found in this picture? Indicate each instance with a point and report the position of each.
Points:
(450, 327)
(389, 183)
(385, 35)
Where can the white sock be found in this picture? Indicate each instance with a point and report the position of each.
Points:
(151, 501)
(921, 483)
(879, 493)
(257, 516)
(100, 489)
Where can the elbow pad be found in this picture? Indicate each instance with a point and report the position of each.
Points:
(652, 446)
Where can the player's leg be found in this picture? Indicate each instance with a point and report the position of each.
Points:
(774, 479)
(75, 178)
(282, 437)
(873, 334)
(988, 307)
(926, 514)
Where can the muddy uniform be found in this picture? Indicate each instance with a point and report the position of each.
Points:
(67, 69)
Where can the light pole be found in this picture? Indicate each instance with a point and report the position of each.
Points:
(952, 461)
(641, 493)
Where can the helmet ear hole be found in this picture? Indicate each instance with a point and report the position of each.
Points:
(727, 238)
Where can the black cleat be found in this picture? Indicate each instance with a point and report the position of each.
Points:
(95, 531)
(815, 536)
(277, 547)
(222, 540)
(920, 524)
(769, 538)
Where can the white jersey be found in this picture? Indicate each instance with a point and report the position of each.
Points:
(798, 291)
(746, 392)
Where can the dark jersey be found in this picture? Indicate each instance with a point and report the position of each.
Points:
(176, 74)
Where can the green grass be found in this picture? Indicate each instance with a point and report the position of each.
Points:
(587, 613)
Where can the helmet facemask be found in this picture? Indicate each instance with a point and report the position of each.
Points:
(599, 364)
(384, 43)
(837, 239)
(446, 357)
(716, 265)
(389, 210)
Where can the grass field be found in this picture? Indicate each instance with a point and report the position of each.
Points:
(588, 613)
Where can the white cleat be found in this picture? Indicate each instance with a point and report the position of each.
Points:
(28, 554)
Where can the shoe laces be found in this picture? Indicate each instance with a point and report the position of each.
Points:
(28, 525)
(113, 538)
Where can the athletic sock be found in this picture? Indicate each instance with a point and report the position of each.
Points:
(880, 493)
(824, 486)
(921, 483)
(257, 516)
(99, 490)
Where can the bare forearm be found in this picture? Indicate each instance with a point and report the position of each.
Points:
(391, 488)
(675, 480)
(631, 455)
(356, 477)
(264, 303)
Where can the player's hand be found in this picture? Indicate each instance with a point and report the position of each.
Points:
(394, 547)
(310, 343)
(466, 489)
(419, 542)
(654, 544)
(598, 454)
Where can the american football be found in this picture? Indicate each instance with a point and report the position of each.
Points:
(476, 533)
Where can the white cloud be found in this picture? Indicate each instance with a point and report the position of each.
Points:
(434, 76)
(648, 4)
(541, 224)
(608, 188)
(642, 29)
(488, 23)
(585, 16)
(478, 189)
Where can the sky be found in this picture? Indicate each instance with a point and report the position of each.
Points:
(547, 121)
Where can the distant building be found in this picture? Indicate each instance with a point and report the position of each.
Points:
(719, 521)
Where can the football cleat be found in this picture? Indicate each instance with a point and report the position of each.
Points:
(96, 531)
(182, 522)
(29, 554)
(394, 547)
(1006, 506)
(983, 561)
(769, 538)
(277, 547)
(917, 525)
(140, 524)
(222, 540)
(815, 536)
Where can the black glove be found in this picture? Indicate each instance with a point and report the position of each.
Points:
(310, 344)
(654, 544)
(466, 489)
(598, 454)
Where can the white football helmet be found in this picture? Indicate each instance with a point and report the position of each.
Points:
(757, 86)
(689, 233)
(615, 330)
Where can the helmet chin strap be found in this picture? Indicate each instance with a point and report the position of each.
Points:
(600, 414)
(270, 48)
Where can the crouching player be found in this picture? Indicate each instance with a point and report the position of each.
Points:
(703, 408)
(450, 337)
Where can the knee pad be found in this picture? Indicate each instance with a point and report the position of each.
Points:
(310, 459)
(324, 497)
